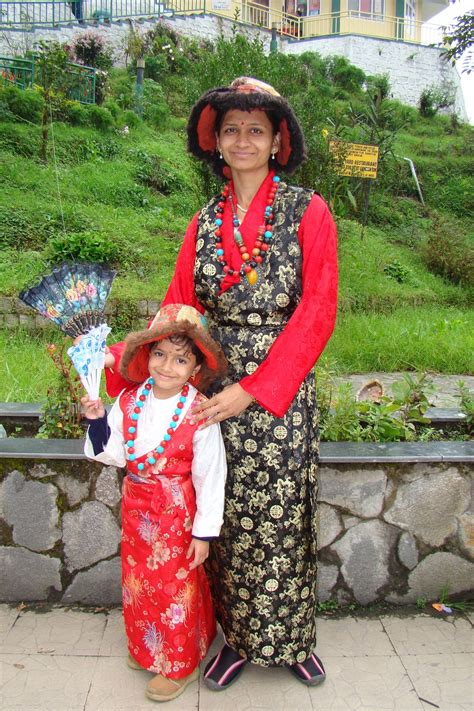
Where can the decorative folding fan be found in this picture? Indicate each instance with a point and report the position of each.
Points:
(88, 358)
(73, 296)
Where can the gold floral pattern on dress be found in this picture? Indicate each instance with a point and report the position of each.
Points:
(263, 566)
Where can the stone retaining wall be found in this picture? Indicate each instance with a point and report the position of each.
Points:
(14, 313)
(388, 531)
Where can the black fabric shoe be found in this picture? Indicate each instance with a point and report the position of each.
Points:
(223, 669)
(310, 672)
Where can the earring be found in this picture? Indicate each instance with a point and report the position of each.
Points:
(273, 156)
(220, 153)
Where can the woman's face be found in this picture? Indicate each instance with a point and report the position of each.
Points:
(246, 140)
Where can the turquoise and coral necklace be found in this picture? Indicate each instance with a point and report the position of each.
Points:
(251, 259)
(150, 458)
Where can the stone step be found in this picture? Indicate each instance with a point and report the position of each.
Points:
(331, 452)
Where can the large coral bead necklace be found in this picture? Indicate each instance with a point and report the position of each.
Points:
(251, 259)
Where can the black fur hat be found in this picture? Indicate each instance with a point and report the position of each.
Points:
(244, 94)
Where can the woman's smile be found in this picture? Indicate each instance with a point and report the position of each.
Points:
(246, 140)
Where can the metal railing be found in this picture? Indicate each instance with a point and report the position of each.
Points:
(51, 13)
(21, 15)
(22, 72)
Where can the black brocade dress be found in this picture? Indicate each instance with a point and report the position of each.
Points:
(262, 569)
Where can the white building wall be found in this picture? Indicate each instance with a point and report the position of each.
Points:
(411, 67)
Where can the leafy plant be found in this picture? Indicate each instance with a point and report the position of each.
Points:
(460, 37)
(327, 606)
(341, 423)
(433, 98)
(410, 397)
(461, 605)
(153, 172)
(155, 108)
(448, 251)
(467, 404)
(100, 117)
(87, 246)
(390, 420)
(398, 271)
(60, 416)
(25, 104)
(51, 64)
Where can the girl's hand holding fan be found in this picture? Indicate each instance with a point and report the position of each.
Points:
(92, 409)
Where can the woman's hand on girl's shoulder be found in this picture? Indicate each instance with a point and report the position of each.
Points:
(230, 402)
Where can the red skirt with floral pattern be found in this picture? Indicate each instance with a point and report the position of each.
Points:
(168, 612)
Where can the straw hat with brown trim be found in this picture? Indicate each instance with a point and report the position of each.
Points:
(173, 319)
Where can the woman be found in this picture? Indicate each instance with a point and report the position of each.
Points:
(260, 260)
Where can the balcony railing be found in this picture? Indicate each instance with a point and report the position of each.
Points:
(21, 15)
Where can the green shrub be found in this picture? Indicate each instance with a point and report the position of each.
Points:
(155, 108)
(129, 118)
(155, 67)
(22, 140)
(153, 172)
(398, 271)
(74, 113)
(345, 75)
(5, 113)
(88, 246)
(434, 98)
(122, 87)
(100, 118)
(449, 252)
(23, 103)
(113, 107)
(400, 114)
(18, 228)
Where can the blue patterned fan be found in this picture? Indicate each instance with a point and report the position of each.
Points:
(73, 296)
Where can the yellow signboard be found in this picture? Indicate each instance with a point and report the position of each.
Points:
(357, 160)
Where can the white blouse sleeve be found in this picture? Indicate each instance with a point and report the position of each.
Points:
(209, 471)
(114, 451)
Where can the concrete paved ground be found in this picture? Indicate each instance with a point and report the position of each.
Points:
(70, 660)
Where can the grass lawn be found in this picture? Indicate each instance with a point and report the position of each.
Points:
(138, 192)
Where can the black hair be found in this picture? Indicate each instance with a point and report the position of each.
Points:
(187, 344)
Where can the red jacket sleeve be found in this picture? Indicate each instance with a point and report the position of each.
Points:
(180, 291)
(181, 288)
(295, 351)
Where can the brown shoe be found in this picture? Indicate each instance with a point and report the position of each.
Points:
(132, 663)
(161, 688)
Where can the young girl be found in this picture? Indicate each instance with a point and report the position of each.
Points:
(173, 494)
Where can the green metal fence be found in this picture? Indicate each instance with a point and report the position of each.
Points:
(18, 71)
(22, 72)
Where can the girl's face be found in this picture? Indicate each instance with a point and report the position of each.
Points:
(171, 366)
(246, 140)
